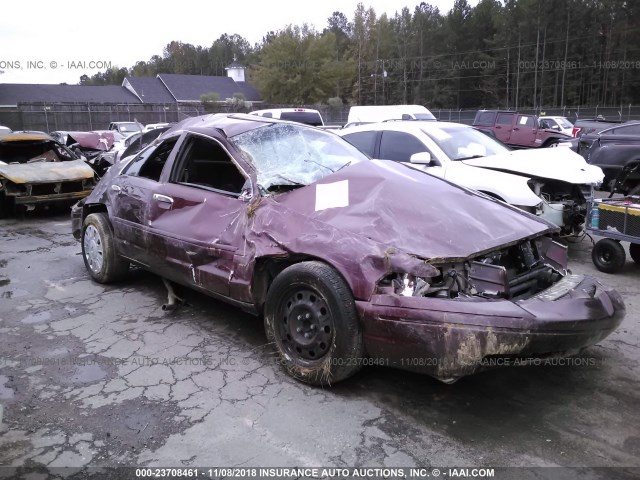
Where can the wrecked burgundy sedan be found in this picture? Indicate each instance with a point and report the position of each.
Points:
(350, 261)
(36, 169)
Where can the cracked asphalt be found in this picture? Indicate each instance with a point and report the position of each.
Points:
(94, 375)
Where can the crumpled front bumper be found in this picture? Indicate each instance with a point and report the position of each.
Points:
(449, 339)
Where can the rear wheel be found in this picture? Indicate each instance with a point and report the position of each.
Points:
(634, 251)
(98, 250)
(310, 316)
(608, 255)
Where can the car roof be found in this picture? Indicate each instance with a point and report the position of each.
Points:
(25, 136)
(619, 126)
(290, 109)
(229, 124)
(403, 126)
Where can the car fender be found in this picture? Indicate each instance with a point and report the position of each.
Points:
(513, 189)
(611, 156)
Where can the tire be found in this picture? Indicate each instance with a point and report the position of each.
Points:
(98, 250)
(634, 251)
(6, 206)
(552, 144)
(311, 319)
(608, 255)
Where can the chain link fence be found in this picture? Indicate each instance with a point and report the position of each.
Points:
(87, 116)
(96, 116)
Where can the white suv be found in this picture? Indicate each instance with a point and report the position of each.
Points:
(559, 124)
(552, 183)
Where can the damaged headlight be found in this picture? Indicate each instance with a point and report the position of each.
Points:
(449, 283)
(410, 286)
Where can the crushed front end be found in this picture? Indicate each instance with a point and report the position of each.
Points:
(563, 203)
(516, 302)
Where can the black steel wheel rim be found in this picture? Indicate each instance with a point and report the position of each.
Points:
(305, 324)
(605, 255)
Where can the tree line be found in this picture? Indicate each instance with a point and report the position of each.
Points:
(514, 54)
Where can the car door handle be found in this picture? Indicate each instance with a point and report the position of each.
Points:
(116, 188)
(516, 129)
(162, 198)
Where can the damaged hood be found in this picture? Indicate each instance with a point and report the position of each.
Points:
(399, 207)
(43, 172)
(553, 163)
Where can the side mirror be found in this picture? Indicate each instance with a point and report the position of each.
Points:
(423, 158)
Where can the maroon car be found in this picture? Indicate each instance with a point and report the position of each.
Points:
(519, 130)
(350, 261)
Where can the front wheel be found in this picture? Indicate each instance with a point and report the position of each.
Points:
(98, 250)
(608, 255)
(310, 316)
(6, 206)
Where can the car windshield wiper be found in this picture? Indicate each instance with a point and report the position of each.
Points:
(308, 160)
(470, 157)
(345, 165)
(288, 180)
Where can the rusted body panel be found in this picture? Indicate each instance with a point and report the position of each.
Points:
(369, 221)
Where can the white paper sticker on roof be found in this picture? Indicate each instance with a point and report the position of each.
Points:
(332, 195)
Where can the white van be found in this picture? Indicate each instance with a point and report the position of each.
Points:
(379, 113)
(300, 115)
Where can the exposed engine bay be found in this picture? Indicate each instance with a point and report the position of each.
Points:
(564, 204)
(514, 272)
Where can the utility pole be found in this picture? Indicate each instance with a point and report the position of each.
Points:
(507, 96)
(518, 75)
(544, 49)
(564, 66)
(535, 75)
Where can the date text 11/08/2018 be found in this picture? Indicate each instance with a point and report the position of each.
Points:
(294, 473)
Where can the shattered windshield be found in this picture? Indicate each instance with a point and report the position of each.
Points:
(462, 143)
(285, 154)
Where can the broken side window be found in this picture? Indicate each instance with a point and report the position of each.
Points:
(150, 162)
(205, 163)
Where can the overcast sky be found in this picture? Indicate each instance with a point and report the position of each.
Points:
(49, 42)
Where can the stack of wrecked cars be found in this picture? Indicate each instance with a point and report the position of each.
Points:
(350, 261)
(35, 169)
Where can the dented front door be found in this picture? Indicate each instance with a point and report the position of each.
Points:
(198, 233)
